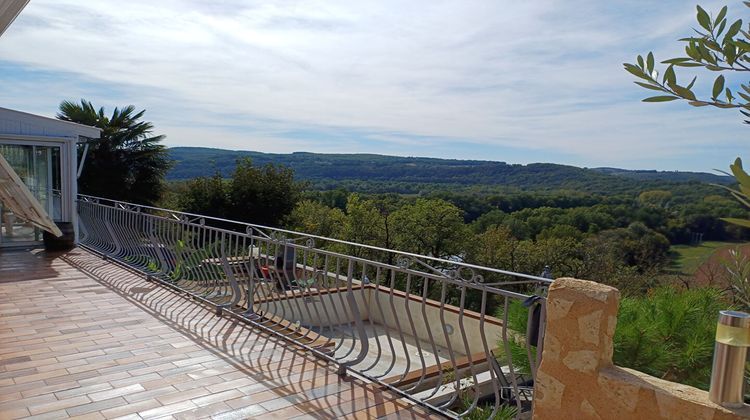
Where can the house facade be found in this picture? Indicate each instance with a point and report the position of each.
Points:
(43, 152)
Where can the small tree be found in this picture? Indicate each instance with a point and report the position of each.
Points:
(434, 227)
(496, 247)
(316, 218)
(261, 195)
(264, 195)
(205, 195)
(364, 224)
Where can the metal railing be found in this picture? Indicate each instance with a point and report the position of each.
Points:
(451, 336)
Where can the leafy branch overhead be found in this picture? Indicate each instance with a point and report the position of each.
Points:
(719, 44)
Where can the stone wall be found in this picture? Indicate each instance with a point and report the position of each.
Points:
(577, 380)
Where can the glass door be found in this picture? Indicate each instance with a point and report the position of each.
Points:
(39, 169)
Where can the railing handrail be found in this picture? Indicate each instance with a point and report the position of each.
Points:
(284, 283)
(339, 241)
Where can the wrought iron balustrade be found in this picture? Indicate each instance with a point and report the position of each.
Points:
(438, 332)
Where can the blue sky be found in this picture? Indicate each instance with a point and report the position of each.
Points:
(535, 81)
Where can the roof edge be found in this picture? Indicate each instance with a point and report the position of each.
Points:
(74, 129)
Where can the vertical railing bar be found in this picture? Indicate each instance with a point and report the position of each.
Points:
(304, 294)
(325, 279)
(191, 277)
(364, 279)
(233, 288)
(375, 294)
(423, 365)
(491, 362)
(197, 279)
(262, 288)
(349, 314)
(400, 330)
(506, 344)
(214, 276)
(461, 312)
(241, 268)
(294, 294)
(451, 354)
(281, 302)
(358, 321)
(433, 344)
(308, 284)
(252, 273)
(204, 259)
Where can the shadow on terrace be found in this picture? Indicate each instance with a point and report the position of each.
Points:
(345, 327)
(82, 336)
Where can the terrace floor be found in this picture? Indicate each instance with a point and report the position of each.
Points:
(81, 337)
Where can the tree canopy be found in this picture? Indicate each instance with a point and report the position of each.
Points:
(261, 195)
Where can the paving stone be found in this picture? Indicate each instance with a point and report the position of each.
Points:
(84, 345)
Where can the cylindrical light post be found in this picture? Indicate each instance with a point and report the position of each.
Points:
(730, 354)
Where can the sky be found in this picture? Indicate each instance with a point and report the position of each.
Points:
(520, 82)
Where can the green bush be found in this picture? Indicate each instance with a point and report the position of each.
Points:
(482, 412)
(669, 333)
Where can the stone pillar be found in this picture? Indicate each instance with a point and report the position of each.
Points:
(581, 320)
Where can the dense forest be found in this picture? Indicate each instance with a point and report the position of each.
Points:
(413, 175)
(534, 201)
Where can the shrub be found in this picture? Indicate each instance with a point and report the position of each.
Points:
(669, 333)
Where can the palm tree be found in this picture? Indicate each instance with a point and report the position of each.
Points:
(126, 163)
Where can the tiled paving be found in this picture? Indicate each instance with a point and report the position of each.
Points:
(83, 338)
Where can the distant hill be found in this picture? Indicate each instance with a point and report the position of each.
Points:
(328, 169)
(675, 176)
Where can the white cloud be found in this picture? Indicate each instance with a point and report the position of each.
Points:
(536, 75)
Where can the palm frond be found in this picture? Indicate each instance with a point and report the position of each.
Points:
(128, 162)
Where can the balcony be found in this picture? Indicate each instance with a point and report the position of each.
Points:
(161, 313)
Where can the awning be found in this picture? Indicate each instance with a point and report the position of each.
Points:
(16, 196)
(9, 10)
